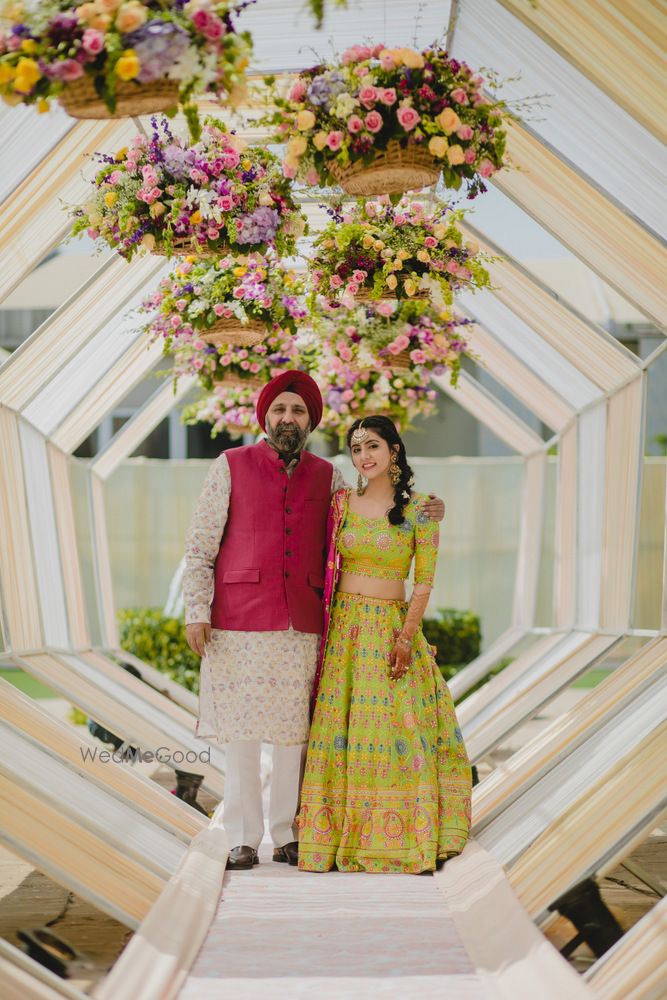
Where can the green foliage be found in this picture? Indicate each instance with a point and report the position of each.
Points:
(160, 641)
(456, 636)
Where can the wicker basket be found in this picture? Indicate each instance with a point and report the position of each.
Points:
(80, 99)
(252, 382)
(394, 170)
(399, 362)
(364, 295)
(232, 331)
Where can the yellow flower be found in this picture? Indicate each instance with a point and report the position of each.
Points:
(409, 286)
(320, 140)
(367, 241)
(412, 59)
(110, 199)
(238, 272)
(403, 254)
(455, 154)
(148, 240)
(86, 12)
(7, 73)
(191, 258)
(127, 66)
(42, 105)
(29, 46)
(27, 75)
(398, 263)
(448, 120)
(391, 281)
(379, 245)
(196, 218)
(120, 155)
(157, 209)
(12, 99)
(424, 256)
(437, 146)
(396, 55)
(439, 230)
(296, 146)
(305, 120)
(246, 164)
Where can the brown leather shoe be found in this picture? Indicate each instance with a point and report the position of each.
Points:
(288, 854)
(242, 858)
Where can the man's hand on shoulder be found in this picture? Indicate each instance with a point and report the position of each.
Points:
(198, 634)
(434, 507)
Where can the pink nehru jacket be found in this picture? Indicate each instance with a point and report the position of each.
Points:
(269, 572)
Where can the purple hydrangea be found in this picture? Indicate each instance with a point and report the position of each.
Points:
(178, 161)
(158, 44)
(259, 226)
(325, 88)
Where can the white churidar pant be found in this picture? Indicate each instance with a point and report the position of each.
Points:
(243, 814)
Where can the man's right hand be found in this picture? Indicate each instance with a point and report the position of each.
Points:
(198, 635)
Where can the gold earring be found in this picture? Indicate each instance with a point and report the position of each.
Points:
(394, 471)
(361, 485)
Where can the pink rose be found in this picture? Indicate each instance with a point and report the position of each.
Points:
(470, 155)
(116, 176)
(200, 19)
(92, 41)
(452, 267)
(408, 118)
(335, 281)
(465, 132)
(354, 124)
(254, 368)
(226, 202)
(212, 233)
(418, 357)
(198, 363)
(359, 277)
(198, 345)
(69, 69)
(348, 395)
(374, 121)
(459, 95)
(346, 354)
(289, 171)
(334, 140)
(369, 96)
(486, 168)
(352, 288)
(298, 91)
(92, 232)
(218, 309)
(230, 159)
(214, 29)
(388, 96)
(181, 304)
(387, 60)
(399, 344)
(430, 242)
(400, 219)
(312, 177)
(385, 309)
(377, 49)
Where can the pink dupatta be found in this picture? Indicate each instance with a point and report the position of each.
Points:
(337, 513)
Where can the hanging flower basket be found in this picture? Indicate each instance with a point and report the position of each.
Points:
(80, 99)
(112, 60)
(386, 121)
(253, 382)
(379, 252)
(393, 170)
(170, 196)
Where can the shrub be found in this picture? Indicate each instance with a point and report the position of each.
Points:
(160, 641)
(457, 637)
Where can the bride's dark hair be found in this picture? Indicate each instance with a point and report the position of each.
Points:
(387, 431)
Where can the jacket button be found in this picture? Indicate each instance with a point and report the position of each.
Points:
(288, 531)
(288, 510)
(289, 552)
(286, 572)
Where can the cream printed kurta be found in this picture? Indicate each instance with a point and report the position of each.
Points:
(253, 685)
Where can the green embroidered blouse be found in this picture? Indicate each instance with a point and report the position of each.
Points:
(371, 546)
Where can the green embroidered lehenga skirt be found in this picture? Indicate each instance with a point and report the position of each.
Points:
(387, 781)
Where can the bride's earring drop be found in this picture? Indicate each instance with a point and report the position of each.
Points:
(394, 470)
(361, 485)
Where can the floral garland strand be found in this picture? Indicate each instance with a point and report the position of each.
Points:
(211, 197)
(339, 115)
(194, 46)
(378, 250)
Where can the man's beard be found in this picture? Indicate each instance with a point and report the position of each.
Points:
(288, 439)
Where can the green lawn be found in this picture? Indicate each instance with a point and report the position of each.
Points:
(24, 682)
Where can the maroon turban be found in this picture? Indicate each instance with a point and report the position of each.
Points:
(291, 381)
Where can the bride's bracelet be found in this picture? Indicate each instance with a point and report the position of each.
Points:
(404, 641)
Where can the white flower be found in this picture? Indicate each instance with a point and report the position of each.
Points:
(344, 105)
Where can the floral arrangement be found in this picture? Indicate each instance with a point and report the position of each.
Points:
(199, 293)
(228, 408)
(46, 47)
(212, 196)
(412, 336)
(354, 381)
(213, 364)
(339, 114)
(400, 251)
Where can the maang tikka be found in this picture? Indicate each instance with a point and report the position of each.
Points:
(358, 437)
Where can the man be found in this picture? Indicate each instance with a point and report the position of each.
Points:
(254, 573)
